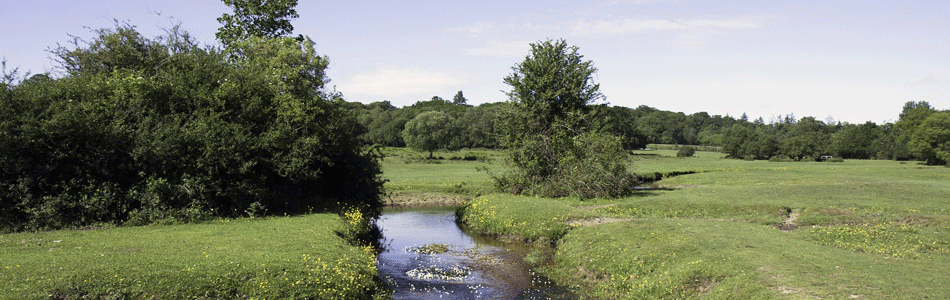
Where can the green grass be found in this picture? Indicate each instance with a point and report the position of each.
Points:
(864, 230)
(524, 218)
(407, 171)
(273, 258)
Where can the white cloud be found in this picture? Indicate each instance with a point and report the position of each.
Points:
(474, 29)
(495, 29)
(501, 49)
(624, 26)
(389, 81)
(722, 24)
(923, 80)
(628, 25)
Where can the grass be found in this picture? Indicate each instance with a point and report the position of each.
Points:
(407, 172)
(854, 230)
(273, 258)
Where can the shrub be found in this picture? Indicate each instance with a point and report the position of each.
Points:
(591, 166)
(686, 151)
(143, 130)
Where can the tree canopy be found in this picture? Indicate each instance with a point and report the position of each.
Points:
(257, 18)
(430, 131)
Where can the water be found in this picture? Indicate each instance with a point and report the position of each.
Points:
(472, 268)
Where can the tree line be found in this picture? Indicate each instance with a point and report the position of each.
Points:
(919, 134)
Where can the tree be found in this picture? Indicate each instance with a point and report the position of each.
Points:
(805, 139)
(857, 141)
(459, 99)
(913, 114)
(552, 83)
(260, 18)
(552, 148)
(141, 130)
(430, 131)
(931, 140)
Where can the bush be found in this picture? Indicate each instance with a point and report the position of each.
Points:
(686, 151)
(592, 166)
(141, 131)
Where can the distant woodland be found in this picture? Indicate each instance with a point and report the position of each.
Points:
(922, 132)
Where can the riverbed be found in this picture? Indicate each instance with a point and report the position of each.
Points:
(427, 256)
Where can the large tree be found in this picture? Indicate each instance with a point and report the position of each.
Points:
(912, 115)
(430, 131)
(553, 149)
(931, 140)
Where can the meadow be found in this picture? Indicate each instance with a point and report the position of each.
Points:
(727, 229)
(298, 257)
(719, 229)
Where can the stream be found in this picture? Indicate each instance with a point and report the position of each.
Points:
(415, 265)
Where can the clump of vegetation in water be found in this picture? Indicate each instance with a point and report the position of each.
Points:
(431, 249)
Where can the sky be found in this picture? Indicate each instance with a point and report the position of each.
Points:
(847, 61)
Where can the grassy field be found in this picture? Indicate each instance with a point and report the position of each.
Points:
(735, 229)
(729, 229)
(271, 258)
(408, 171)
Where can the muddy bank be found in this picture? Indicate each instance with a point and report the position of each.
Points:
(407, 199)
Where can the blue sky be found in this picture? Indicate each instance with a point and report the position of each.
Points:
(853, 61)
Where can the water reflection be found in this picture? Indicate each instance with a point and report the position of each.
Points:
(470, 269)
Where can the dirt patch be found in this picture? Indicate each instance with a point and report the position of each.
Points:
(705, 285)
(424, 199)
(789, 223)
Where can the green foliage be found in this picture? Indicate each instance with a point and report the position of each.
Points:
(913, 114)
(257, 18)
(143, 130)
(619, 121)
(430, 131)
(553, 150)
(459, 99)
(931, 140)
(552, 83)
(857, 141)
(686, 151)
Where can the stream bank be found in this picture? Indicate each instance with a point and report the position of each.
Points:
(427, 256)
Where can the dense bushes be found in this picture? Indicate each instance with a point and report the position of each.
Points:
(141, 130)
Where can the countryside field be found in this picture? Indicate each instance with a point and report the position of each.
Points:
(734, 229)
(263, 258)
